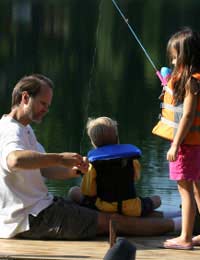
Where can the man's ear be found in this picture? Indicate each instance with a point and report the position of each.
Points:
(25, 97)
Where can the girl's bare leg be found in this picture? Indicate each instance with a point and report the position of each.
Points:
(196, 186)
(188, 214)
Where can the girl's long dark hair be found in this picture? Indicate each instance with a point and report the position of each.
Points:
(186, 44)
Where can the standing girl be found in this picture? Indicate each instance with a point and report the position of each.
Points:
(180, 123)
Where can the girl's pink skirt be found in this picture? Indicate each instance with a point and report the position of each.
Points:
(187, 165)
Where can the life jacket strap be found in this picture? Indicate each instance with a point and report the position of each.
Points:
(176, 109)
(169, 90)
(168, 122)
(119, 206)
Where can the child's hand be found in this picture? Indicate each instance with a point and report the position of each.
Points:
(172, 153)
(83, 166)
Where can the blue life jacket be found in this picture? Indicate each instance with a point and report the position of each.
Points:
(115, 172)
(114, 151)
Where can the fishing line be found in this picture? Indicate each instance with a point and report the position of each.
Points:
(89, 90)
(140, 44)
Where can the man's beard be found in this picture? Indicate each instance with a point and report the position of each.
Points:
(32, 118)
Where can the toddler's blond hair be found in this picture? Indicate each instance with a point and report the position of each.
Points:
(102, 131)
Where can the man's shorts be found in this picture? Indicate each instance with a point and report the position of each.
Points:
(63, 219)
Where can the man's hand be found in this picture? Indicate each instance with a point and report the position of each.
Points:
(71, 159)
(82, 167)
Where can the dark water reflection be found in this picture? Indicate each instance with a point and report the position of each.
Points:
(98, 69)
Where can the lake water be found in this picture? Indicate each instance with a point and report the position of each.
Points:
(98, 69)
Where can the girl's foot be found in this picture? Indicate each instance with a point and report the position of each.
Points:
(178, 243)
(196, 241)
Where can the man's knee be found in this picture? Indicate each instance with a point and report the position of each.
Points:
(74, 194)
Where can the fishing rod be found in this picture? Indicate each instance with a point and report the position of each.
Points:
(162, 79)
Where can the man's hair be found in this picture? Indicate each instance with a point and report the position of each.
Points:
(102, 131)
(32, 84)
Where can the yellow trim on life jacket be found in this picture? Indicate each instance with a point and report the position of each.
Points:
(171, 116)
(130, 207)
(88, 184)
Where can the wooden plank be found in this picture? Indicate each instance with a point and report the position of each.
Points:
(147, 248)
(151, 248)
(33, 249)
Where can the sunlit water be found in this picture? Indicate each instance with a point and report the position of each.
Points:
(155, 178)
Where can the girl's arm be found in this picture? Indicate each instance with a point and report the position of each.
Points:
(189, 108)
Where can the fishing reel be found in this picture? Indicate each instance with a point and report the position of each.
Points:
(164, 75)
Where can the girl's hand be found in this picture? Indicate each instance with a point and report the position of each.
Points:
(172, 153)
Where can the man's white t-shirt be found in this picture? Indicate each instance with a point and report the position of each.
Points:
(22, 193)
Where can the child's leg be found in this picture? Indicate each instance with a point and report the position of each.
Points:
(188, 214)
(149, 204)
(75, 195)
(188, 208)
(156, 201)
(196, 186)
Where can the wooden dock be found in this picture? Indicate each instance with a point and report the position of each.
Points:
(147, 248)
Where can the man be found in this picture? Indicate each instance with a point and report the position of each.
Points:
(27, 210)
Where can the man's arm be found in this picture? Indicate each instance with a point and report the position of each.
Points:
(62, 173)
(59, 173)
(26, 159)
